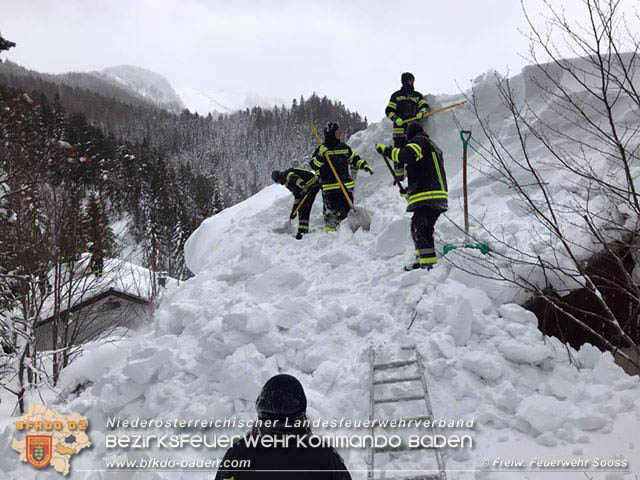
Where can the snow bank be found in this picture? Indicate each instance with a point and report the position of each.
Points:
(211, 243)
(263, 303)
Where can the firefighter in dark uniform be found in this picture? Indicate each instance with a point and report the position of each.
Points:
(336, 208)
(282, 403)
(404, 104)
(305, 186)
(427, 189)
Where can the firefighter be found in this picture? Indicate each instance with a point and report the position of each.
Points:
(404, 104)
(281, 408)
(305, 186)
(427, 189)
(335, 205)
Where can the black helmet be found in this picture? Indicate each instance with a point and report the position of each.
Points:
(281, 397)
(330, 138)
(275, 175)
(331, 128)
(406, 76)
(413, 129)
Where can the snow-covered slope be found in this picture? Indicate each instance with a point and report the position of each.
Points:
(263, 303)
(221, 101)
(147, 84)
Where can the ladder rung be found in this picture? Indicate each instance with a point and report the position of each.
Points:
(400, 399)
(431, 476)
(401, 448)
(385, 366)
(414, 419)
(396, 380)
(419, 419)
(411, 420)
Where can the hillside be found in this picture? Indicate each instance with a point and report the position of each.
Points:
(56, 162)
(263, 303)
(147, 84)
(105, 83)
(239, 149)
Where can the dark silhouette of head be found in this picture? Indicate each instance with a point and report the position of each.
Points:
(407, 80)
(281, 397)
(331, 134)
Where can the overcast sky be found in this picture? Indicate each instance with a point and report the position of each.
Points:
(354, 51)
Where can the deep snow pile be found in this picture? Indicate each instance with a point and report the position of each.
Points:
(263, 303)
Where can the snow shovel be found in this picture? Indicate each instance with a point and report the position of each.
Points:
(357, 217)
(287, 226)
(465, 136)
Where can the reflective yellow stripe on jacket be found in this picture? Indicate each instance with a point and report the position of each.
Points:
(418, 151)
(437, 165)
(335, 152)
(429, 195)
(336, 186)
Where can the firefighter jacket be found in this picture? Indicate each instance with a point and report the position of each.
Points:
(405, 103)
(296, 179)
(341, 156)
(424, 163)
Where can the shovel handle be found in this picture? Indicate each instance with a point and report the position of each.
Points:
(395, 179)
(437, 110)
(465, 136)
(314, 130)
(342, 187)
(295, 212)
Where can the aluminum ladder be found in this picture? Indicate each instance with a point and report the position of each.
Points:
(419, 376)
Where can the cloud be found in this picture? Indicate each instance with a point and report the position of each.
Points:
(354, 51)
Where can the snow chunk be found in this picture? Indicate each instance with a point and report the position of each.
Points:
(335, 258)
(543, 413)
(606, 371)
(325, 376)
(141, 371)
(588, 356)
(589, 420)
(275, 280)
(547, 439)
(394, 238)
(244, 372)
(441, 344)
(515, 313)
(519, 352)
(507, 398)
(460, 319)
(483, 365)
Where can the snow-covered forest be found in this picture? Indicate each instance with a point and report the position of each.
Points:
(87, 173)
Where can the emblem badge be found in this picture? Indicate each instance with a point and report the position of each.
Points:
(39, 450)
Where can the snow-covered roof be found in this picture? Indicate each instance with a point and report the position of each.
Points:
(117, 276)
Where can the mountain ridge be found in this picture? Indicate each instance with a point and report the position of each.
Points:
(124, 88)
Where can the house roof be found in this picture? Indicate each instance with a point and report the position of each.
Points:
(111, 292)
(119, 278)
